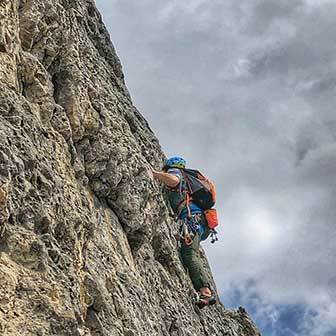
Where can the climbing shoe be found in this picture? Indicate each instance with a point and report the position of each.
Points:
(204, 301)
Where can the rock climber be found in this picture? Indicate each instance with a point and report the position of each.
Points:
(191, 219)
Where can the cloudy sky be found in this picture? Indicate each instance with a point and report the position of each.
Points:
(246, 91)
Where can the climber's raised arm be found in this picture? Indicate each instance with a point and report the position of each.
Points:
(169, 180)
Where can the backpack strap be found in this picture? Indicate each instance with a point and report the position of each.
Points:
(189, 189)
(188, 199)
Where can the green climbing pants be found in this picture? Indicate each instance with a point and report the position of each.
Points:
(192, 261)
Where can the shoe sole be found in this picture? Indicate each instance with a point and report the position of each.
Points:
(202, 303)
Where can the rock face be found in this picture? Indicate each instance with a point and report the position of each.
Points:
(86, 240)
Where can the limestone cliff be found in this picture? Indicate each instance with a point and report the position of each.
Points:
(86, 240)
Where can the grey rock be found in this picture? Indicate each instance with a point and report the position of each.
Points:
(87, 245)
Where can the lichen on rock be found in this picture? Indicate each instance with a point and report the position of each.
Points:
(86, 240)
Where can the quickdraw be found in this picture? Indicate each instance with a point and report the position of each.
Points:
(213, 235)
(188, 227)
(184, 234)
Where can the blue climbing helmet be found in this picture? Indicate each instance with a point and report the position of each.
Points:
(175, 162)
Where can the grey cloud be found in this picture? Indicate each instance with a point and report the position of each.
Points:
(265, 13)
(246, 91)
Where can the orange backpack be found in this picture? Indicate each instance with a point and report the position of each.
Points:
(200, 188)
(202, 192)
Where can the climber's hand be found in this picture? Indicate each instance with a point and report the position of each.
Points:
(150, 172)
